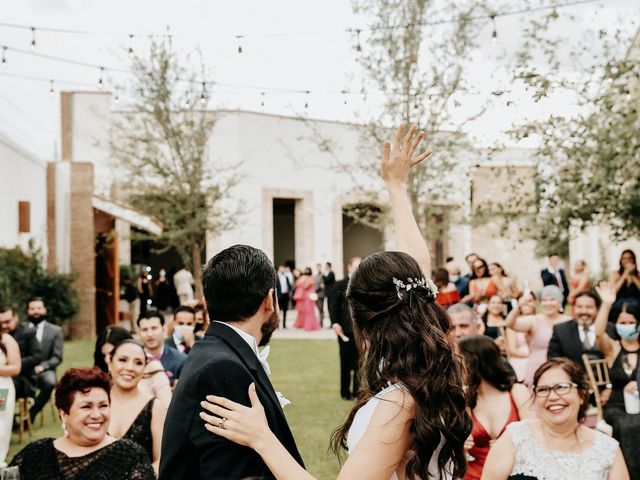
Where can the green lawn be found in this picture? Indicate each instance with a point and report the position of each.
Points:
(305, 371)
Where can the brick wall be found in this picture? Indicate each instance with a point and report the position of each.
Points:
(51, 217)
(83, 262)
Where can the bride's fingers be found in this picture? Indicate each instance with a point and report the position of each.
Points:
(421, 157)
(210, 419)
(221, 432)
(386, 152)
(217, 410)
(224, 402)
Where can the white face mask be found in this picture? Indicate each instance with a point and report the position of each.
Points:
(180, 329)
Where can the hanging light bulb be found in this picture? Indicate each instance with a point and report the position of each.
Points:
(51, 88)
(262, 99)
(131, 45)
(306, 102)
(358, 46)
(494, 34)
(203, 98)
(187, 100)
(344, 96)
(100, 81)
(4, 57)
(116, 96)
(238, 37)
(33, 38)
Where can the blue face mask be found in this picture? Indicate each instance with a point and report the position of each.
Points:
(627, 332)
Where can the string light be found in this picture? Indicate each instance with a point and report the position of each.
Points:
(262, 99)
(100, 81)
(116, 97)
(33, 37)
(238, 37)
(187, 100)
(51, 88)
(306, 102)
(494, 34)
(358, 46)
(131, 45)
(344, 93)
(4, 57)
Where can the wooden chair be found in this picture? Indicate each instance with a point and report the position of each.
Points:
(54, 411)
(22, 405)
(598, 373)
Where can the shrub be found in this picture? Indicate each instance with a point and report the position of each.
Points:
(22, 276)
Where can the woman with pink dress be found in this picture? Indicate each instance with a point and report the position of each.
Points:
(538, 327)
(305, 296)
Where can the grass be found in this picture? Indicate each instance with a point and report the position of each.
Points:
(305, 371)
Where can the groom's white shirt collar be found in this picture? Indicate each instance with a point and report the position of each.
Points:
(250, 339)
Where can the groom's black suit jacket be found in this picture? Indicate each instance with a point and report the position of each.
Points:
(221, 364)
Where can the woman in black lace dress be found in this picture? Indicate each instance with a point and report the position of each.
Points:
(136, 415)
(622, 357)
(86, 451)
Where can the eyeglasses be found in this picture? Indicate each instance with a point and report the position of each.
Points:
(561, 389)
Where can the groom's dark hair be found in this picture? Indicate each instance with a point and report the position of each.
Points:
(235, 282)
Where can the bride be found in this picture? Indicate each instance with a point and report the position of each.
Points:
(410, 420)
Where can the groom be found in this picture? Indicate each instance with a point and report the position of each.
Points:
(239, 288)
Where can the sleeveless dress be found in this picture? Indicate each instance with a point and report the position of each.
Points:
(482, 442)
(140, 430)
(538, 347)
(361, 422)
(626, 426)
(534, 461)
(6, 414)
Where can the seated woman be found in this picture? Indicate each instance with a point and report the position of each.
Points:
(447, 293)
(86, 450)
(410, 419)
(621, 355)
(494, 398)
(556, 446)
(10, 365)
(136, 414)
(154, 381)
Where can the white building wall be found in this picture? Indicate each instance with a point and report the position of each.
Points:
(24, 178)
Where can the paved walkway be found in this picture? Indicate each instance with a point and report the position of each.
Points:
(324, 333)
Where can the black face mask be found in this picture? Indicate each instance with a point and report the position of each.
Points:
(36, 320)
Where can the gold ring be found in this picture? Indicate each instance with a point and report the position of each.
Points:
(221, 423)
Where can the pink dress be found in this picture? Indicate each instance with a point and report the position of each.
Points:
(538, 346)
(305, 306)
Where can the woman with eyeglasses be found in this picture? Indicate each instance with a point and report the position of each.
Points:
(556, 446)
(621, 355)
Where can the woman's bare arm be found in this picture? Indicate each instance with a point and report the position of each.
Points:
(397, 161)
(14, 362)
(605, 343)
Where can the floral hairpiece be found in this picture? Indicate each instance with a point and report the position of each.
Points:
(413, 283)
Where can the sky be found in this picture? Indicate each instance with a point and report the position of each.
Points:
(286, 45)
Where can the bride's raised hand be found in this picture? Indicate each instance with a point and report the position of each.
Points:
(399, 159)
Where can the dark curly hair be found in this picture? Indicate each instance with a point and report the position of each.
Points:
(404, 340)
(483, 361)
(82, 380)
(576, 373)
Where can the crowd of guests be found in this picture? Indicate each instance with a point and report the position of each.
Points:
(493, 387)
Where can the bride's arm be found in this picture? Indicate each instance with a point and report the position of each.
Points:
(396, 164)
(379, 453)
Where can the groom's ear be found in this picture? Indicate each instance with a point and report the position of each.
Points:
(269, 301)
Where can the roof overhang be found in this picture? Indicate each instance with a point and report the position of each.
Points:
(128, 214)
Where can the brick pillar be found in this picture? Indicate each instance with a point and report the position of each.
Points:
(51, 217)
(83, 262)
(66, 125)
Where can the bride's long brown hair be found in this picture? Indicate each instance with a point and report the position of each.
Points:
(404, 340)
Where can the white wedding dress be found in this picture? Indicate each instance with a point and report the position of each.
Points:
(361, 422)
(6, 415)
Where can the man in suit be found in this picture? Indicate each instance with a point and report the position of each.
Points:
(51, 346)
(329, 280)
(573, 338)
(151, 328)
(184, 322)
(554, 275)
(239, 288)
(283, 290)
(343, 326)
(26, 382)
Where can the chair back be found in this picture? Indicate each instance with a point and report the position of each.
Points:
(598, 373)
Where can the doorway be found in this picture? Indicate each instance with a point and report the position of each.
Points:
(284, 231)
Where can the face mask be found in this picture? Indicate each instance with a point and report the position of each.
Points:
(454, 278)
(627, 332)
(179, 329)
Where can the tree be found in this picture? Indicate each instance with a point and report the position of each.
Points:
(420, 72)
(162, 144)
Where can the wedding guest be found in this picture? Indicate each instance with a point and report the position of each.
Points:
(494, 398)
(109, 337)
(578, 283)
(284, 286)
(86, 450)
(135, 414)
(145, 290)
(481, 286)
(626, 280)
(151, 327)
(538, 327)
(447, 291)
(409, 420)
(621, 354)
(554, 275)
(507, 288)
(30, 355)
(460, 281)
(184, 323)
(517, 341)
(494, 320)
(9, 366)
(464, 322)
(306, 297)
(557, 445)
(202, 320)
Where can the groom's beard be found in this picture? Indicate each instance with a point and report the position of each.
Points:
(269, 327)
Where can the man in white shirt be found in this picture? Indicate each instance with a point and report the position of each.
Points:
(183, 282)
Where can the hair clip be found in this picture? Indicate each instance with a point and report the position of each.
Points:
(413, 283)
